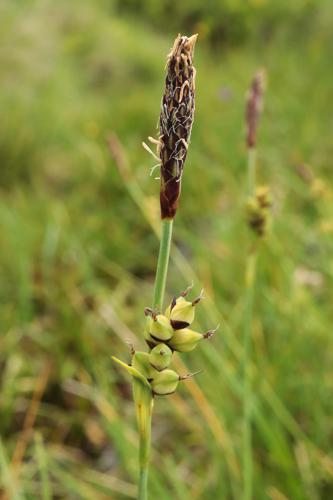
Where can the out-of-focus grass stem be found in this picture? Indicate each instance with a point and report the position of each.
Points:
(251, 171)
(247, 345)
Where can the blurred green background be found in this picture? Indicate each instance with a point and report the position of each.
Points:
(81, 83)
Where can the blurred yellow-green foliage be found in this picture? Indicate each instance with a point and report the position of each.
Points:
(79, 241)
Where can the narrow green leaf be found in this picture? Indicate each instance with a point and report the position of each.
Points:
(134, 372)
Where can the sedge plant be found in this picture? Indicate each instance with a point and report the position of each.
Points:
(166, 329)
(257, 211)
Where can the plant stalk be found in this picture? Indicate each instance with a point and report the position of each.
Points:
(144, 416)
(251, 171)
(144, 411)
(143, 481)
(247, 346)
(162, 263)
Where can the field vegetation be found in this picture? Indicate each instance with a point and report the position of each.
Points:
(81, 84)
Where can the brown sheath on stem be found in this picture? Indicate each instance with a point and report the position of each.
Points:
(254, 105)
(175, 124)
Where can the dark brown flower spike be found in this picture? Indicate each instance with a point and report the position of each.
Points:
(175, 124)
(254, 105)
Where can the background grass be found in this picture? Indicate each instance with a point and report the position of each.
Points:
(79, 246)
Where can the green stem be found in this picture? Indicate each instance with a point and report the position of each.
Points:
(247, 397)
(144, 421)
(144, 411)
(143, 483)
(251, 171)
(162, 264)
(247, 348)
(144, 408)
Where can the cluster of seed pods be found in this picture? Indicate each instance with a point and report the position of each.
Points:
(164, 334)
(258, 210)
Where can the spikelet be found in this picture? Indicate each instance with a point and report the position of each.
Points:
(159, 329)
(258, 210)
(165, 382)
(176, 119)
(186, 340)
(160, 357)
(254, 106)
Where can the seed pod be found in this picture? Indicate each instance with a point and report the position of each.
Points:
(150, 341)
(181, 311)
(159, 328)
(140, 361)
(185, 340)
(172, 305)
(263, 196)
(160, 357)
(257, 213)
(164, 382)
(182, 314)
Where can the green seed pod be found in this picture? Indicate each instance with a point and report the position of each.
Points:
(185, 340)
(263, 196)
(150, 341)
(172, 305)
(140, 361)
(160, 357)
(159, 328)
(181, 311)
(182, 314)
(257, 214)
(164, 382)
